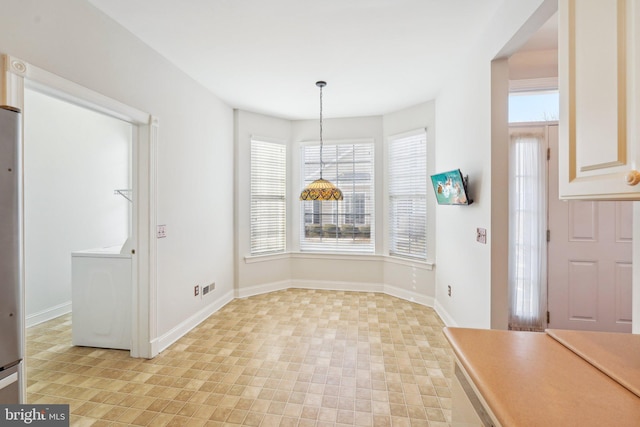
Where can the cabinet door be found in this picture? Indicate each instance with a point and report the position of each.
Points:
(598, 47)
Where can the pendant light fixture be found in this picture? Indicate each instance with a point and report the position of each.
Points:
(321, 189)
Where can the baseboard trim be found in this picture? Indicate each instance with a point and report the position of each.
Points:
(48, 314)
(444, 315)
(410, 296)
(164, 341)
(263, 289)
(337, 286)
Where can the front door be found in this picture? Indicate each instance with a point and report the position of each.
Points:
(589, 260)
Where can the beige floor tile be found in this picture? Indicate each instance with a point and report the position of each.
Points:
(288, 358)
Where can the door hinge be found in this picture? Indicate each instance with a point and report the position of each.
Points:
(548, 235)
(548, 318)
(548, 153)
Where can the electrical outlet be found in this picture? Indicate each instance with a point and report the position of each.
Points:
(196, 290)
(449, 290)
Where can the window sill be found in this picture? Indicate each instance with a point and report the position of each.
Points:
(337, 256)
(250, 259)
(423, 265)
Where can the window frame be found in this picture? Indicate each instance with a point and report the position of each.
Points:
(362, 240)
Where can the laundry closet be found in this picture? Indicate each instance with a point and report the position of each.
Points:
(77, 219)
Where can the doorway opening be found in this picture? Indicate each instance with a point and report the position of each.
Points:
(570, 261)
(77, 228)
(20, 75)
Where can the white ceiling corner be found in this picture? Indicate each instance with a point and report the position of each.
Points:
(265, 56)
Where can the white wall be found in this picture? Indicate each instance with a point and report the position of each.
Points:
(411, 277)
(262, 273)
(469, 137)
(195, 153)
(635, 292)
(375, 272)
(73, 160)
(336, 272)
(195, 150)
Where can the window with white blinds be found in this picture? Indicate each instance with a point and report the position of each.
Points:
(346, 225)
(268, 197)
(407, 176)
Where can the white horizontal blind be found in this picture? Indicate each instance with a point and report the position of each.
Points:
(268, 197)
(346, 225)
(407, 176)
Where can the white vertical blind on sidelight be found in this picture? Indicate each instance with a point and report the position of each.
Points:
(407, 184)
(268, 197)
(346, 225)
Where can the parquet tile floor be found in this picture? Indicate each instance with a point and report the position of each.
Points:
(297, 357)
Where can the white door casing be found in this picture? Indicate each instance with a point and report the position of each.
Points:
(13, 78)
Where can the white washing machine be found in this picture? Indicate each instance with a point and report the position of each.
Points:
(101, 297)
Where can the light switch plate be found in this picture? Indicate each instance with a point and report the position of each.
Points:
(481, 235)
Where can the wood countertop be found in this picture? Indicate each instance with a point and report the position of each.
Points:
(531, 379)
(617, 355)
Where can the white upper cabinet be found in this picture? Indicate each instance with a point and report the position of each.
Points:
(598, 60)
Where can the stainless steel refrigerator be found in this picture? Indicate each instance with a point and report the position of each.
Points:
(11, 290)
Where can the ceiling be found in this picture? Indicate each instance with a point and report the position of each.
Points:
(546, 38)
(377, 56)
